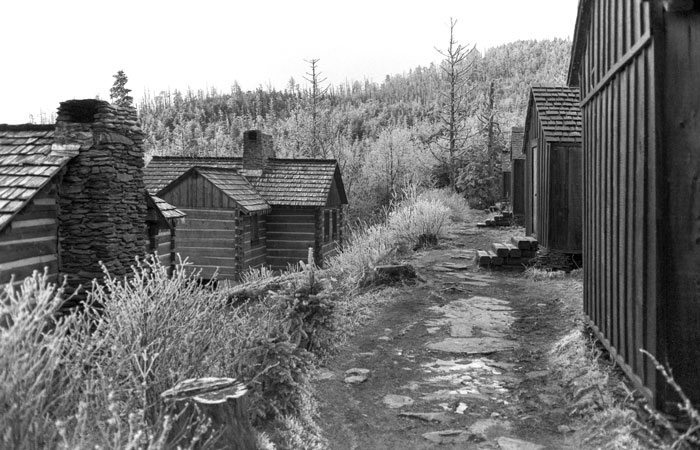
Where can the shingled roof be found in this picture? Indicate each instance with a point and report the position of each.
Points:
(27, 164)
(29, 159)
(167, 210)
(559, 112)
(232, 184)
(284, 182)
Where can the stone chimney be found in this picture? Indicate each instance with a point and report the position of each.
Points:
(257, 149)
(102, 204)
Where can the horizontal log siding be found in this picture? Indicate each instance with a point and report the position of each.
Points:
(619, 170)
(30, 242)
(289, 232)
(208, 238)
(164, 246)
(254, 253)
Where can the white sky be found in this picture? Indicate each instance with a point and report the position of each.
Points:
(54, 50)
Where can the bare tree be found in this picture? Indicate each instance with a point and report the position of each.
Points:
(453, 134)
(316, 95)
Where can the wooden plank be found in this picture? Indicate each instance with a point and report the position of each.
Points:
(207, 251)
(273, 236)
(184, 233)
(619, 324)
(288, 227)
(631, 225)
(214, 214)
(193, 223)
(17, 224)
(637, 31)
(623, 184)
(20, 273)
(651, 232)
(29, 232)
(10, 252)
(31, 261)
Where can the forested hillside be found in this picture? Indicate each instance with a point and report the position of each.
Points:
(384, 135)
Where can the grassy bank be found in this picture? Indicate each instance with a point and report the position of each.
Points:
(94, 379)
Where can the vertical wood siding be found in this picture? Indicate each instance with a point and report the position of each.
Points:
(680, 164)
(30, 242)
(518, 187)
(618, 91)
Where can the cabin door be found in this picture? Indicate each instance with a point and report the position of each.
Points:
(535, 187)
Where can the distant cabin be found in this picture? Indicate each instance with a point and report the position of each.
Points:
(637, 64)
(252, 211)
(517, 165)
(72, 195)
(553, 176)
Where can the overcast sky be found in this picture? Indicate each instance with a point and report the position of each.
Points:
(54, 50)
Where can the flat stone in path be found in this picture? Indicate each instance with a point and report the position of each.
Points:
(440, 417)
(506, 443)
(472, 346)
(447, 436)
(397, 401)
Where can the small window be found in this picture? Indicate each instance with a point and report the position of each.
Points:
(335, 224)
(326, 226)
(254, 229)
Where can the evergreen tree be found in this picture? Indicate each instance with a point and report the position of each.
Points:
(119, 93)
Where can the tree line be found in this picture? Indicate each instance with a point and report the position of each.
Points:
(444, 124)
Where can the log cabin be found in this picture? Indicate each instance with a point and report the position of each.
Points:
(637, 64)
(253, 211)
(552, 148)
(517, 164)
(72, 195)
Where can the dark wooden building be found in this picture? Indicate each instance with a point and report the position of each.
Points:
(637, 64)
(279, 208)
(506, 174)
(552, 146)
(517, 164)
(72, 195)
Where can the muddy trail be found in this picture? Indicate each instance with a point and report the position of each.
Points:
(456, 360)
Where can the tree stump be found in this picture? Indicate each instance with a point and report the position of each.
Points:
(223, 401)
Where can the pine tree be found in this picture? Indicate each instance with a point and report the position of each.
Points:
(119, 94)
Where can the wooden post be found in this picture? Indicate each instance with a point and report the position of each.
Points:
(223, 401)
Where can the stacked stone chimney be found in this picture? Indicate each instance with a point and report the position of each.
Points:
(102, 206)
(257, 149)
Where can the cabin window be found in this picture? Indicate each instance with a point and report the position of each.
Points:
(335, 224)
(326, 226)
(254, 229)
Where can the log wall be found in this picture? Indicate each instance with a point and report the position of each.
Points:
(209, 239)
(30, 242)
(290, 232)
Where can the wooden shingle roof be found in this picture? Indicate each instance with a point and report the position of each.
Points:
(559, 112)
(236, 187)
(166, 209)
(299, 182)
(162, 170)
(28, 161)
(284, 182)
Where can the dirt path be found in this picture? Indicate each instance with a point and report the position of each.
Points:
(457, 360)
